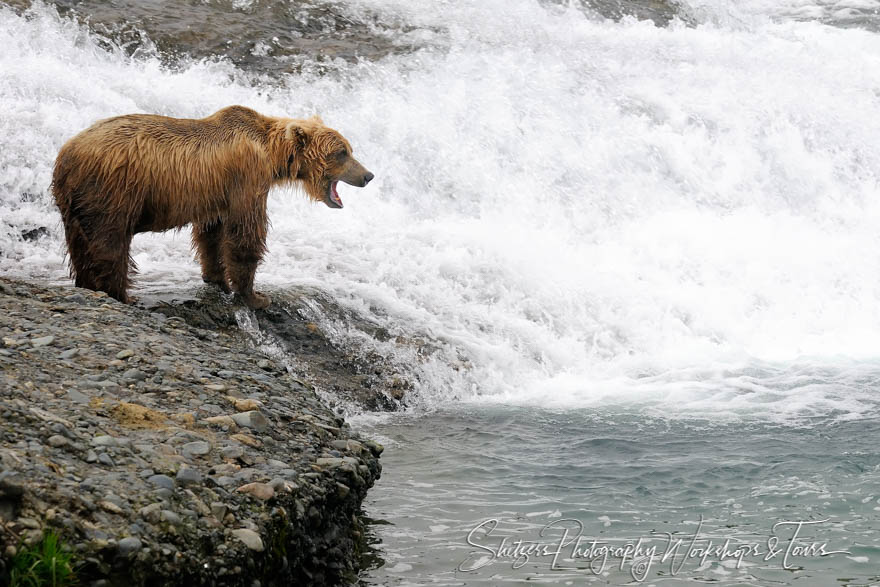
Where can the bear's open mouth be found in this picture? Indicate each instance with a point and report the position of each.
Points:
(332, 199)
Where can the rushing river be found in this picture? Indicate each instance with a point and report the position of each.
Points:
(627, 255)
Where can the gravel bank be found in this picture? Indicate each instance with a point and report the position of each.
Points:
(168, 454)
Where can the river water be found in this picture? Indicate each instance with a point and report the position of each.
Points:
(625, 254)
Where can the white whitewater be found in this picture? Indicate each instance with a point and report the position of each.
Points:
(582, 213)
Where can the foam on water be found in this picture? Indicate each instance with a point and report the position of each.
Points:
(576, 212)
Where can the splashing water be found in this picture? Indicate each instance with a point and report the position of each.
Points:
(577, 212)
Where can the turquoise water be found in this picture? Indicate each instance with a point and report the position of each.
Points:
(616, 478)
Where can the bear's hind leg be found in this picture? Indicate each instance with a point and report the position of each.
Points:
(109, 265)
(207, 240)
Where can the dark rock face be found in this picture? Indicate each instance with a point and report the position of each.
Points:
(288, 324)
(212, 466)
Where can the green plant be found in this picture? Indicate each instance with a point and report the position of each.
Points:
(45, 564)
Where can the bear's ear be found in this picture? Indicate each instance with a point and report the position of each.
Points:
(296, 134)
(317, 119)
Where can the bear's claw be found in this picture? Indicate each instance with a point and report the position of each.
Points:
(257, 301)
(219, 282)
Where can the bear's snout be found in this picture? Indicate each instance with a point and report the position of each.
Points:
(355, 174)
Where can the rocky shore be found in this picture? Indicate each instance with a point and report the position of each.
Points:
(163, 453)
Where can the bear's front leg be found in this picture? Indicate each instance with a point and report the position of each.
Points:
(243, 245)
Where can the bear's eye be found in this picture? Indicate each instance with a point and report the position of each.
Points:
(341, 155)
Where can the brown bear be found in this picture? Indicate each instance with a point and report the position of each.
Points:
(144, 172)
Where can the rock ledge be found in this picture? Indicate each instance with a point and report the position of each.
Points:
(167, 454)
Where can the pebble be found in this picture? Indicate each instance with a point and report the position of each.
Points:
(164, 493)
(134, 375)
(111, 507)
(280, 485)
(104, 440)
(57, 441)
(162, 481)
(218, 509)
(150, 512)
(42, 341)
(252, 419)
(224, 480)
(250, 538)
(70, 353)
(198, 448)
(129, 545)
(77, 396)
(29, 523)
(105, 459)
(75, 299)
(124, 354)
(223, 421)
(258, 490)
(232, 452)
(247, 439)
(188, 476)
(91, 456)
(245, 405)
(211, 409)
(169, 516)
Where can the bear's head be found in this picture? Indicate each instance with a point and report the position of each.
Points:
(321, 158)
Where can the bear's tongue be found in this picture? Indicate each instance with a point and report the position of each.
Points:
(334, 195)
